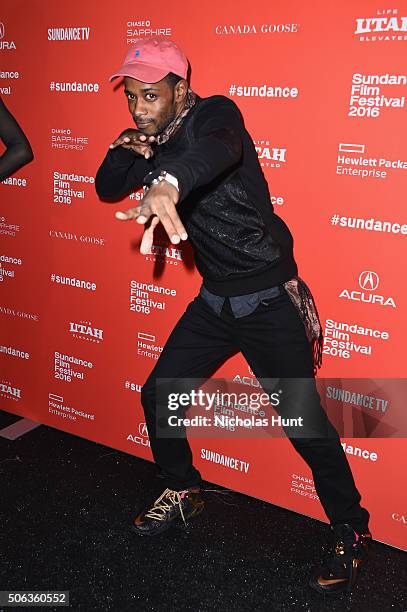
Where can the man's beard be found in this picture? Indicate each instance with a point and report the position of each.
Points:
(165, 123)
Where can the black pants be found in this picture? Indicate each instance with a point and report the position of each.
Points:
(273, 341)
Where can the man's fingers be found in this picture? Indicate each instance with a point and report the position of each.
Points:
(145, 213)
(131, 213)
(179, 227)
(133, 140)
(170, 218)
(124, 215)
(142, 149)
(119, 141)
(172, 224)
(148, 237)
(169, 227)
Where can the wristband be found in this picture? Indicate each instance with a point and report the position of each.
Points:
(166, 176)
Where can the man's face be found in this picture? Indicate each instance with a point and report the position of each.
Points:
(152, 105)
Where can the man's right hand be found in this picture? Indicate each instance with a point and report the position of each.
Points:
(135, 141)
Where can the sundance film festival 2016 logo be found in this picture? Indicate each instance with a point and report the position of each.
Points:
(5, 44)
(367, 98)
(67, 186)
(343, 339)
(368, 283)
(66, 367)
(387, 25)
(145, 297)
(5, 270)
(8, 74)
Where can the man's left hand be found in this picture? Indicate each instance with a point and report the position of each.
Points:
(159, 204)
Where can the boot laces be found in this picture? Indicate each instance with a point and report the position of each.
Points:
(344, 553)
(164, 503)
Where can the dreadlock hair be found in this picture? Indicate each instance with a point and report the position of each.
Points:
(172, 79)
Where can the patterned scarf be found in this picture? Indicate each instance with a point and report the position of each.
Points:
(172, 127)
(302, 299)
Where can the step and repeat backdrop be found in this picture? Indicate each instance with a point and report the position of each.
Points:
(84, 315)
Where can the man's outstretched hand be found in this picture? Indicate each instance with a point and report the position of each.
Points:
(158, 204)
(135, 141)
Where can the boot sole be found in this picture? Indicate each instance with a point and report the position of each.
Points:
(320, 589)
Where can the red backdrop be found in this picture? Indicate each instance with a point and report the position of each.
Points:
(331, 149)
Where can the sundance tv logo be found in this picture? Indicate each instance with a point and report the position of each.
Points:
(368, 283)
(74, 33)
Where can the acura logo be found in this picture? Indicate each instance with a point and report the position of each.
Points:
(142, 429)
(2, 30)
(368, 280)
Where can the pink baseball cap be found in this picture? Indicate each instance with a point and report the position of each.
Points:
(151, 59)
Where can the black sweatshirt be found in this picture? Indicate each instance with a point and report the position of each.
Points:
(240, 244)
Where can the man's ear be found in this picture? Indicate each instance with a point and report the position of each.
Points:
(181, 90)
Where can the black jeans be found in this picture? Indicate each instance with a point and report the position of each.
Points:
(273, 341)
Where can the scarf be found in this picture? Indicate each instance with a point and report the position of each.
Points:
(175, 124)
(302, 299)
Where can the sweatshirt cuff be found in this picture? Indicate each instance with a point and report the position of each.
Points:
(123, 157)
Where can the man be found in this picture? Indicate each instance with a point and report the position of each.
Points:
(203, 181)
